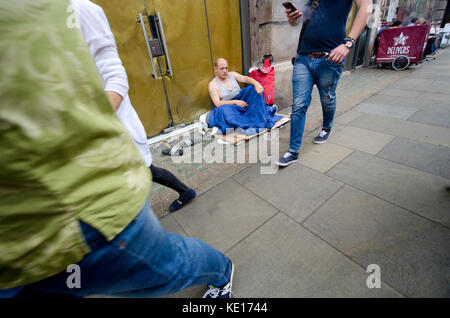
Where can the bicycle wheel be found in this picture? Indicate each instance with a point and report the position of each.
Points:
(400, 63)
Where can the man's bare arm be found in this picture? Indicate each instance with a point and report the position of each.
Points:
(248, 80)
(218, 102)
(364, 12)
(214, 95)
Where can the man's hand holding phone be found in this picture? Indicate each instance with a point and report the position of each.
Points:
(292, 13)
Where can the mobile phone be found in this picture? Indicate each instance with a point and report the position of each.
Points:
(289, 5)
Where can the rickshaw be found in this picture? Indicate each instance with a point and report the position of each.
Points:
(400, 47)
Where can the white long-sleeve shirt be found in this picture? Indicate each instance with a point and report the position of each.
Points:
(102, 45)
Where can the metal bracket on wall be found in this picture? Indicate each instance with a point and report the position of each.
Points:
(147, 42)
(157, 46)
(163, 38)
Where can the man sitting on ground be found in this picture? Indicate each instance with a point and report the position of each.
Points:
(235, 107)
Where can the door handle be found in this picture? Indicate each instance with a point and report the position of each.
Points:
(142, 22)
(163, 38)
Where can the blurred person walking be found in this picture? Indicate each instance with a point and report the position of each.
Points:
(73, 186)
(102, 45)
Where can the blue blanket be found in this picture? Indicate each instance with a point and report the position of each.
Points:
(256, 115)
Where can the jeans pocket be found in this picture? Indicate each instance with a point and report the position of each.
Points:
(298, 59)
(335, 65)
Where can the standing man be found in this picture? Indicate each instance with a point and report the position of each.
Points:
(321, 52)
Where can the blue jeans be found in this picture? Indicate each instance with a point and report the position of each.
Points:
(142, 261)
(307, 72)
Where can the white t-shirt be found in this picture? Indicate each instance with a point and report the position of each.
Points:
(102, 45)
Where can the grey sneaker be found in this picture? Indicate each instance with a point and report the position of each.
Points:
(322, 137)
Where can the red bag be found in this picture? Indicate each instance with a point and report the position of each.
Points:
(266, 77)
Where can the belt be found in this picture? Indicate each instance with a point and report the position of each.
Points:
(315, 55)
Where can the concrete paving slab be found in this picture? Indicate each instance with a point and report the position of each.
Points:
(404, 101)
(422, 156)
(402, 128)
(397, 92)
(441, 86)
(430, 117)
(431, 101)
(356, 138)
(296, 190)
(421, 85)
(432, 76)
(171, 225)
(347, 117)
(224, 215)
(436, 97)
(434, 101)
(386, 110)
(322, 157)
(412, 189)
(283, 259)
(412, 253)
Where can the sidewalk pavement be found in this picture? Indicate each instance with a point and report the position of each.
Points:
(378, 192)
(352, 90)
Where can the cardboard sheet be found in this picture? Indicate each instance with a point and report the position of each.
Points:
(238, 138)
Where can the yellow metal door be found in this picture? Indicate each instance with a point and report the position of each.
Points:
(146, 93)
(168, 49)
(225, 31)
(186, 66)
